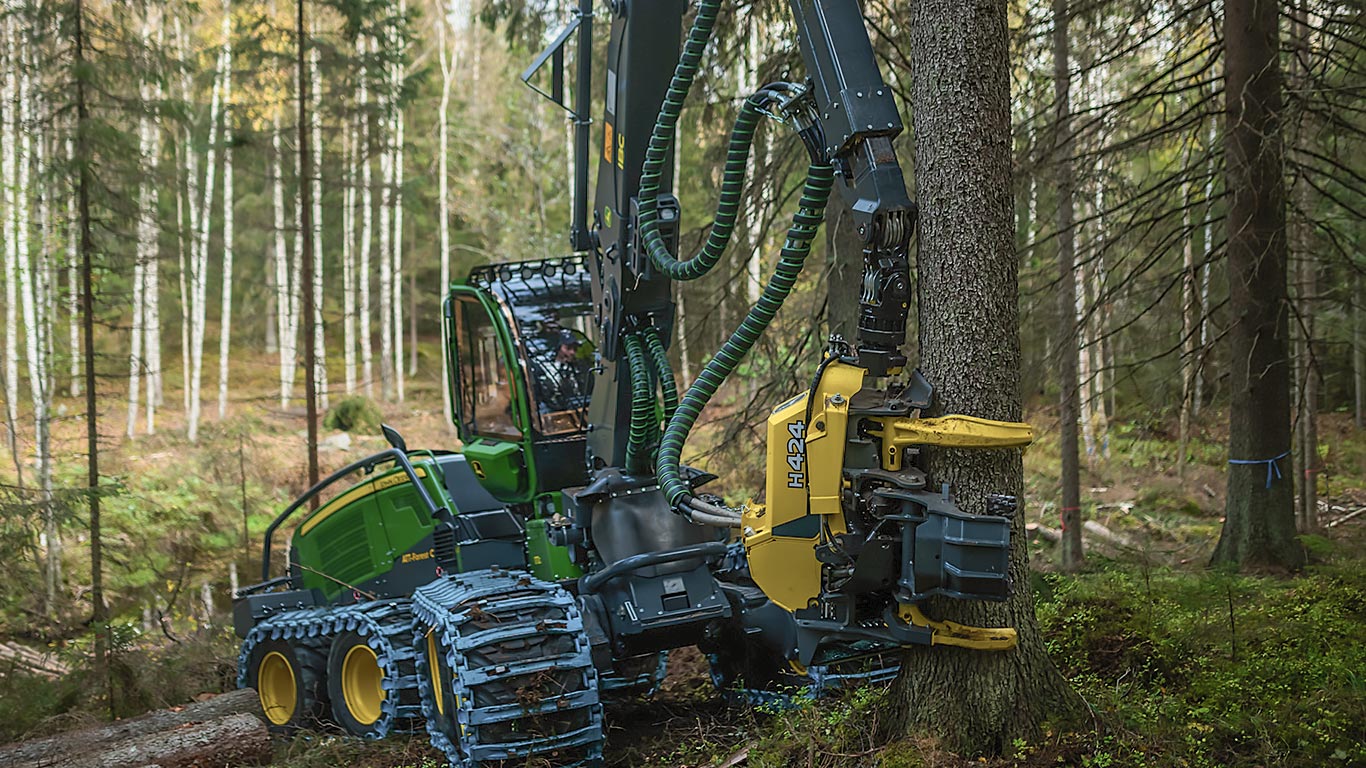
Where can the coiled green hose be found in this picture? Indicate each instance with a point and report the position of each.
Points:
(805, 222)
(657, 154)
(660, 357)
(644, 421)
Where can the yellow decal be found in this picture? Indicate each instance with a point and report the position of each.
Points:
(606, 216)
(607, 142)
(413, 557)
(535, 559)
(621, 150)
(478, 469)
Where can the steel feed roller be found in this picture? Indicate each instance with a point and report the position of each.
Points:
(496, 596)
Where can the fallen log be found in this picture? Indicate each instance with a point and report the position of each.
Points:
(233, 740)
(64, 748)
(1106, 535)
(43, 665)
(1038, 530)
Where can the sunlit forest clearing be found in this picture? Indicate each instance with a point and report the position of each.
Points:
(1139, 231)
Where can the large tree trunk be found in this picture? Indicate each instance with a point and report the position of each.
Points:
(1259, 520)
(1069, 397)
(977, 701)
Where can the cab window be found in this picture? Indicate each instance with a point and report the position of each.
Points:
(485, 375)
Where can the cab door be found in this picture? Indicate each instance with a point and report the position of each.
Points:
(488, 394)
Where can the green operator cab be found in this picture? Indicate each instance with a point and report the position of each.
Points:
(521, 377)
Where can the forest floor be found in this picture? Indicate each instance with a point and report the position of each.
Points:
(1183, 665)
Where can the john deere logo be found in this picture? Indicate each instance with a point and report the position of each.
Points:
(478, 469)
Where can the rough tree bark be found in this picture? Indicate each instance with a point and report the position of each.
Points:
(1259, 520)
(975, 701)
(1069, 396)
(305, 263)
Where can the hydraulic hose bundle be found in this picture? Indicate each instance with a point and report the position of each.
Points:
(805, 222)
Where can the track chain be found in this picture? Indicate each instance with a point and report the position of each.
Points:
(387, 628)
(519, 680)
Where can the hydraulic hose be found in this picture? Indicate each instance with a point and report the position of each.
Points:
(644, 424)
(657, 154)
(667, 385)
(805, 222)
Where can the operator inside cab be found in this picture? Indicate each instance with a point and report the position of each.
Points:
(563, 377)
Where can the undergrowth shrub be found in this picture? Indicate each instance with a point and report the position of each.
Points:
(354, 414)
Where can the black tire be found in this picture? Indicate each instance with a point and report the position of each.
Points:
(287, 681)
(354, 679)
(440, 679)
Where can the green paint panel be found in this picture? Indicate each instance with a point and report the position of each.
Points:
(547, 561)
(501, 468)
(360, 539)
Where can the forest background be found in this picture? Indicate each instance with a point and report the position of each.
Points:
(432, 158)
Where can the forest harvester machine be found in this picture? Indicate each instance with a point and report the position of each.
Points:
(494, 594)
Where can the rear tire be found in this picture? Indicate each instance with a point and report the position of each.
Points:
(355, 683)
(287, 683)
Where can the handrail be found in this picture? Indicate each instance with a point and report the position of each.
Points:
(368, 463)
(593, 582)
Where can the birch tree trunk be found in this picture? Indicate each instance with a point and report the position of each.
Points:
(975, 702)
(367, 350)
(316, 187)
(349, 152)
(34, 301)
(447, 61)
(12, 204)
(199, 257)
(189, 226)
(73, 291)
(287, 316)
(225, 305)
(151, 291)
(396, 89)
(1190, 311)
(386, 264)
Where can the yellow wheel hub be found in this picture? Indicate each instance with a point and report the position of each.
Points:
(362, 687)
(435, 665)
(277, 688)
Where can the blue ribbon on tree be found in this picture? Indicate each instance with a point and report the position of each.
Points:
(1273, 470)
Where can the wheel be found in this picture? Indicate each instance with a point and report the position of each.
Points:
(355, 685)
(286, 681)
(444, 703)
